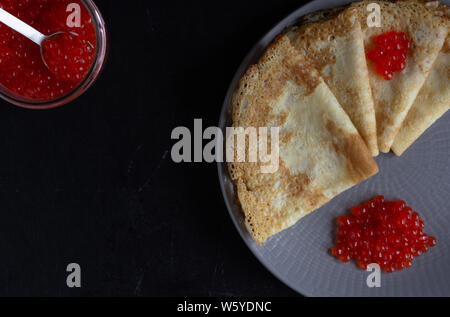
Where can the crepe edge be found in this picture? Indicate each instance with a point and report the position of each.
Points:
(412, 131)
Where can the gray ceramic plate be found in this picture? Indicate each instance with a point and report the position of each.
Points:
(299, 256)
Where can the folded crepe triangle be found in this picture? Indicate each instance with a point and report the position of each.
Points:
(427, 32)
(334, 45)
(321, 152)
(433, 99)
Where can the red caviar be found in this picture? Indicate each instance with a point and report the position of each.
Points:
(389, 53)
(387, 233)
(69, 57)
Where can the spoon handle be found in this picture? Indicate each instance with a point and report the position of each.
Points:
(21, 27)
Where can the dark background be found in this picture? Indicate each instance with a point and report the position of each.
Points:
(93, 182)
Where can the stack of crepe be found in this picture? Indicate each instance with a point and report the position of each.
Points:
(333, 110)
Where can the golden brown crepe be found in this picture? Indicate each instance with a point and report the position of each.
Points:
(427, 33)
(321, 152)
(334, 44)
(431, 103)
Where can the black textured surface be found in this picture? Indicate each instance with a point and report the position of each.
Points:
(93, 182)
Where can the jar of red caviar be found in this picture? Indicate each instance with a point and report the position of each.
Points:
(25, 79)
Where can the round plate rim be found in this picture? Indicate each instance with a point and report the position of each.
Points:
(256, 51)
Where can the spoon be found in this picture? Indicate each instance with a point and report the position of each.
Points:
(26, 30)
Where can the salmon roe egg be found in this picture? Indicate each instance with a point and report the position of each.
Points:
(387, 233)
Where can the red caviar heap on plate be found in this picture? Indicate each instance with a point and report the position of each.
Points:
(390, 52)
(387, 233)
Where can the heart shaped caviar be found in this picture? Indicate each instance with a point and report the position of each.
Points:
(389, 53)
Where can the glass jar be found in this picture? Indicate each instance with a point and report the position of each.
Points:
(89, 79)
